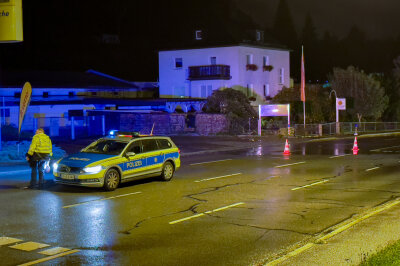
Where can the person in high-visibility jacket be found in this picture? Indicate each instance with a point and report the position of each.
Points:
(38, 154)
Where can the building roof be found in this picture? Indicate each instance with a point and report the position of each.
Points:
(61, 79)
(242, 44)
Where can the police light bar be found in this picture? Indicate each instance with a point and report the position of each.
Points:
(117, 133)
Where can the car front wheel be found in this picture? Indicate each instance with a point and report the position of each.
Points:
(167, 171)
(111, 180)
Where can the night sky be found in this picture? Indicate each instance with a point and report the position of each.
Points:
(377, 18)
(68, 35)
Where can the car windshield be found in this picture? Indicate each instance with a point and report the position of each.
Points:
(105, 146)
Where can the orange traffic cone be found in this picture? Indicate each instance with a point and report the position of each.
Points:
(286, 151)
(355, 147)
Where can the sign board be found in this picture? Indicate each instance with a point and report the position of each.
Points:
(11, 21)
(341, 103)
(24, 103)
(274, 110)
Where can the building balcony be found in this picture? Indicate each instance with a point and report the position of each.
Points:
(209, 72)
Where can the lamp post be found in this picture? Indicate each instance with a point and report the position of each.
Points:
(337, 111)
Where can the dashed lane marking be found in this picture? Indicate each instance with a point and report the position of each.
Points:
(90, 201)
(310, 185)
(29, 246)
(54, 251)
(370, 169)
(207, 212)
(217, 177)
(385, 148)
(290, 164)
(50, 257)
(8, 240)
(217, 161)
(337, 156)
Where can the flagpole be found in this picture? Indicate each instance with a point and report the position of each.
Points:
(303, 86)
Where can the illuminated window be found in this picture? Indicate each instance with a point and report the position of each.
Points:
(198, 34)
(178, 62)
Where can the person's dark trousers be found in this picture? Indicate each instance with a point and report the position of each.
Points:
(37, 168)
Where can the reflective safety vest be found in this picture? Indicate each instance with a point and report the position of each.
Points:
(41, 143)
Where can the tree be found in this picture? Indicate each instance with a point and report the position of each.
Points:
(365, 90)
(235, 105)
(283, 27)
(318, 105)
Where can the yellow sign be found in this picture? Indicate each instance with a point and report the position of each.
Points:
(11, 21)
(24, 103)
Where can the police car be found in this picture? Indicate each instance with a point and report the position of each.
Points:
(118, 158)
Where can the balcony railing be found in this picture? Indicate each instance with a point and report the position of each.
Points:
(209, 72)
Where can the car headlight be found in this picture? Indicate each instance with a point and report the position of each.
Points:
(55, 166)
(92, 170)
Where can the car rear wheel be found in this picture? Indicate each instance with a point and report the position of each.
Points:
(111, 180)
(167, 171)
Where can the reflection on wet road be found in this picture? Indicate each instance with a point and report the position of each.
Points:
(238, 207)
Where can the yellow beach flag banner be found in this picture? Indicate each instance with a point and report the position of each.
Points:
(24, 103)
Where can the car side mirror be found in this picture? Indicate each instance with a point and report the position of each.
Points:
(130, 154)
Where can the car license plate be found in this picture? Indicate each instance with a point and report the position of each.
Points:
(66, 176)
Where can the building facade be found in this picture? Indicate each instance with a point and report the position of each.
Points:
(260, 72)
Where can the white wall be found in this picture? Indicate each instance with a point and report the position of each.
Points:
(172, 79)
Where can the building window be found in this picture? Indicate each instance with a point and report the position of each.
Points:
(71, 94)
(45, 94)
(266, 90)
(258, 35)
(209, 90)
(249, 59)
(265, 60)
(203, 91)
(17, 94)
(198, 34)
(213, 60)
(281, 75)
(250, 90)
(178, 62)
(93, 93)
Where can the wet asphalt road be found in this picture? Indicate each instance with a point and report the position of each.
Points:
(228, 208)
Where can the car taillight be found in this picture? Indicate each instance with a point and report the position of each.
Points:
(179, 151)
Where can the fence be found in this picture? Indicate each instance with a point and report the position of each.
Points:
(344, 128)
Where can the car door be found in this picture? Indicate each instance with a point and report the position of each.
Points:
(136, 164)
(155, 157)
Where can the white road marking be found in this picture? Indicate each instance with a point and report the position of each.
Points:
(385, 148)
(285, 165)
(211, 162)
(8, 240)
(373, 168)
(50, 258)
(313, 184)
(336, 231)
(213, 178)
(90, 201)
(207, 212)
(29, 246)
(336, 156)
(54, 251)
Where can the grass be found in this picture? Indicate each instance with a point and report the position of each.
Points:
(389, 256)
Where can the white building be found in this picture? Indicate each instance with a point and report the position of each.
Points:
(195, 73)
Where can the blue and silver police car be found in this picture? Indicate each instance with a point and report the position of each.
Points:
(117, 158)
